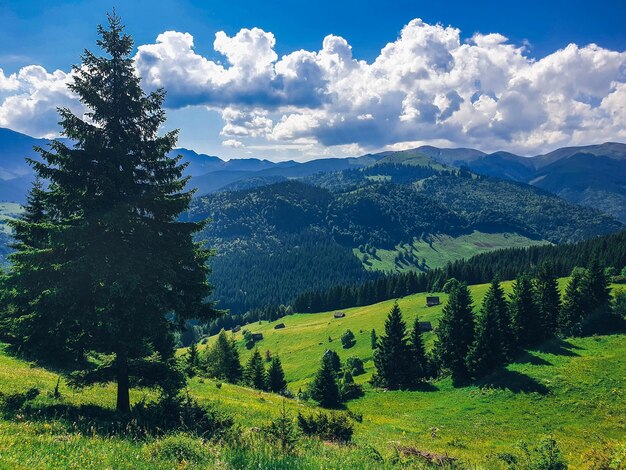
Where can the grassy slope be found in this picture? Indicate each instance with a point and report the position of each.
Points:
(574, 390)
(443, 249)
(571, 389)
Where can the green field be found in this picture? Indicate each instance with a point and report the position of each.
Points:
(573, 390)
(439, 250)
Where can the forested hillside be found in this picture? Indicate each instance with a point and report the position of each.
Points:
(276, 241)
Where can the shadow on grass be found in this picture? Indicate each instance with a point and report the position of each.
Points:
(513, 381)
(529, 358)
(558, 347)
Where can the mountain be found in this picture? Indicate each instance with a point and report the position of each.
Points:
(275, 241)
(593, 175)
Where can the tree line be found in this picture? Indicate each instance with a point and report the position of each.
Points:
(506, 264)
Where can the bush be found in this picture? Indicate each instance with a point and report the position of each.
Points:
(180, 448)
(355, 365)
(546, 455)
(282, 431)
(182, 413)
(333, 426)
(347, 339)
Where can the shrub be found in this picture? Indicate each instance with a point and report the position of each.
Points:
(180, 448)
(347, 339)
(355, 365)
(546, 455)
(282, 430)
(333, 426)
(611, 455)
(348, 389)
(182, 413)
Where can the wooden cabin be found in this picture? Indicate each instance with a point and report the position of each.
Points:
(257, 337)
(431, 301)
(236, 329)
(279, 326)
(339, 315)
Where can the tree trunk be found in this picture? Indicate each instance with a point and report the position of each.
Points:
(123, 396)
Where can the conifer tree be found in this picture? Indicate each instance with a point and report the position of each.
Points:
(391, 356)
(548, 300)
(489, 349)
(276, 376)
(254, 373)
(347, 339)
(192, 360)
(222, 359)
(324, 388)
(597, 286)
(333, 359)
(374, 339)
(455, 333)
(117, 272)
(525, 324)
(574, 305)
(418, 358)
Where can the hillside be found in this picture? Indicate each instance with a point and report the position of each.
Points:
(564, 388)
(569, 389)
(352, 224)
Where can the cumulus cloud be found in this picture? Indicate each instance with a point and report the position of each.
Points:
(429, 85)
(30, 97)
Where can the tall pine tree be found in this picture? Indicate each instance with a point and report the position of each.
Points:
(548, 300)
(222, 359)
(419, 361)
(276, 376)
(490, 346)
(391, 358)
(525, 324)
(254, 373)
(324, 389)
(455, 333)
(116, 272)
(575, 305)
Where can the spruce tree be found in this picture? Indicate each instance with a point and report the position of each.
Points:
(574, 305)
(597, 286)
(117, 272)
(548, 300)
(525, 324)
(192, 360)
(324, 388)
(222, 359)
(347, 339)
(373, 339)
(418, 359)
(455, 333)
(276, 376)
(333, 359)
(489, 349)
(254, 373)
(391, 356)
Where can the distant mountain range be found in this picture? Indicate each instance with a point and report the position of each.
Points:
(593, 176)
(283, 228)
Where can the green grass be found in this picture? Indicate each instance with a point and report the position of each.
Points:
(574, 390)
(440, 250)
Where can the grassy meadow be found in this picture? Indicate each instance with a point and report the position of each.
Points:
(573, 390)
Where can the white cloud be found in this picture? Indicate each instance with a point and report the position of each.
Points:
(232, 143)
(428, 85)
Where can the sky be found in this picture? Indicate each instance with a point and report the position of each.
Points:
(303, 80)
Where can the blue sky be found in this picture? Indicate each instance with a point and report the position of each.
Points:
(485, 108)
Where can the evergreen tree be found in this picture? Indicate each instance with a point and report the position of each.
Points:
(548, 300)
(374, 339)
(391, 356)
(525, 324)
(574, 305)
(193, 360)
(222, 359)
(490, 347)
(254, 373)
(418, 358)
(455, 333)
(347, 339)
(276, 376)
(334, 360)
(348, 389)
(597, 288)
(324, 388)
(117, 272)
